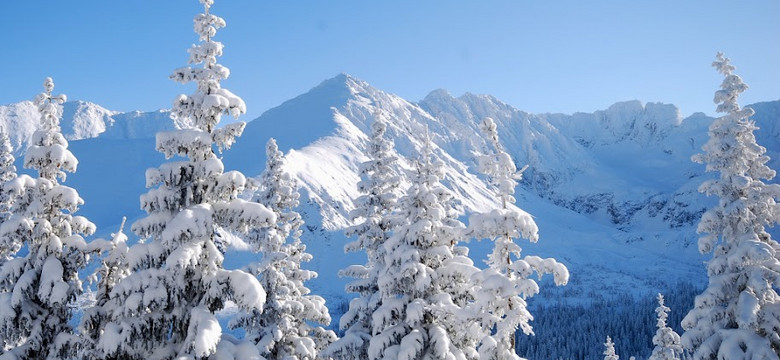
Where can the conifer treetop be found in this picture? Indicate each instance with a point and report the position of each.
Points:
(731, 87)
(666, 340)
(203, 109)
(662, 311)
(48, 105)
(609, 350)
(499, 166)
(48, 153)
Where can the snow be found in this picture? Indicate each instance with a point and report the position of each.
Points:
(232, 349)
(739, 303)
(325, 162)
(111, 339)
(82, 120)
(327, 129)
(204, 332)
(247, 295)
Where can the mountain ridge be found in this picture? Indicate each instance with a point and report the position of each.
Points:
(614, 192)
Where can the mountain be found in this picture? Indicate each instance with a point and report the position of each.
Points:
(614, 192)
(83, 120)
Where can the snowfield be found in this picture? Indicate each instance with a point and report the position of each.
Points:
(614, 192)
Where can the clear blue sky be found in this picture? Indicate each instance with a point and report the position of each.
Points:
(540, 56)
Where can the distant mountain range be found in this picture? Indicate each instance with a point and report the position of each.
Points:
(614, 192)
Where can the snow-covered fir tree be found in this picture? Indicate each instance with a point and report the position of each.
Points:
(113, 268)
(166, 307)
(502, 289)
(609, 350)
(426, 281)
(7, 173)
(286, 329)
(666, 340)
(738, 315)
(37, 289)
(378, 183)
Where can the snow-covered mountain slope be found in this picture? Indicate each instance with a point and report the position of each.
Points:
(613, 192)
(583, 222)
(83, 120)
(325, 158)
(610, 164)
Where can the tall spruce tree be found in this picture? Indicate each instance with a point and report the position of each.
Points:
(738, 315)
(286, 329)
(113, 268)
(7, 173)
(666, 340)
(378, 183)
(502, 289)
(166, 307)
(609, 350)
(425, 284)
(37, 289)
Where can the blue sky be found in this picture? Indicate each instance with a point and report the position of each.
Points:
(541, 56)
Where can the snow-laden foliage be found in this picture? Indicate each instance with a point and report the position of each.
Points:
(286, 327)
(7, 173)
(48, 153)
(502, 289)
(8, 244)
(38, 288)
(609, 350)
(112, 269)
(203, 109)
(426, 281)
(738, 315)
(378, 182)
(666, 340)
(165, 308)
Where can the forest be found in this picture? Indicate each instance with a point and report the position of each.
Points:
(419, 295)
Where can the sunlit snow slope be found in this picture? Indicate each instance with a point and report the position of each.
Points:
(613, 192)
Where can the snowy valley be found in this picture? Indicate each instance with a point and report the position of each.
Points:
(614, 192)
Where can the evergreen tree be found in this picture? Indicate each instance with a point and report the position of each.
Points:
(425, 283)
(284, 330)
(7, 173)
(166, 307)
(378, 183)
(609, 350)
(113, 269)
(738, 315)
(38, 288)
(502, 289)
(666, 340)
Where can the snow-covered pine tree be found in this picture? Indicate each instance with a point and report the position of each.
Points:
(502, 289)
(37, 289)
(666, 340)
(113, 268)
(166, 307)
(7, 173)
(286, 328)
(425, 283)
(609, 350)
(738, 315)
(378, 184)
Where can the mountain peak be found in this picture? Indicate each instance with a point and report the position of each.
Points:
(438, 94)
(339, 79)
(341, 82)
